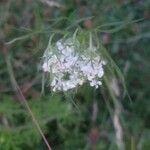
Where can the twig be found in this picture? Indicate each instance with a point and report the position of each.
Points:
(22, 99)
(95, 111)
(118, 128)
(51, 3)
(117, 112)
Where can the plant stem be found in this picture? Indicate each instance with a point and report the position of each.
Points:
(23, 99)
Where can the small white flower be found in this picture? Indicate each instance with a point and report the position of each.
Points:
(45, 67)
(70, 69)
(59, 45)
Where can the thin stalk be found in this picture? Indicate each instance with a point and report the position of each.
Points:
(116, 117)
(23, 99)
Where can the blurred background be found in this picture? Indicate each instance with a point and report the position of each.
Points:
(86, 119)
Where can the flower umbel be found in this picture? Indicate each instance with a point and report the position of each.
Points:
(70, 65)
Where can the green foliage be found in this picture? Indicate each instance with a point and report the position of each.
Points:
(17, 128)
(121, 30)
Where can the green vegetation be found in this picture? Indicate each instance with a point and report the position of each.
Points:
(83, 119)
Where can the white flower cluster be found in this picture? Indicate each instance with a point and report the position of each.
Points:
(70, 67)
